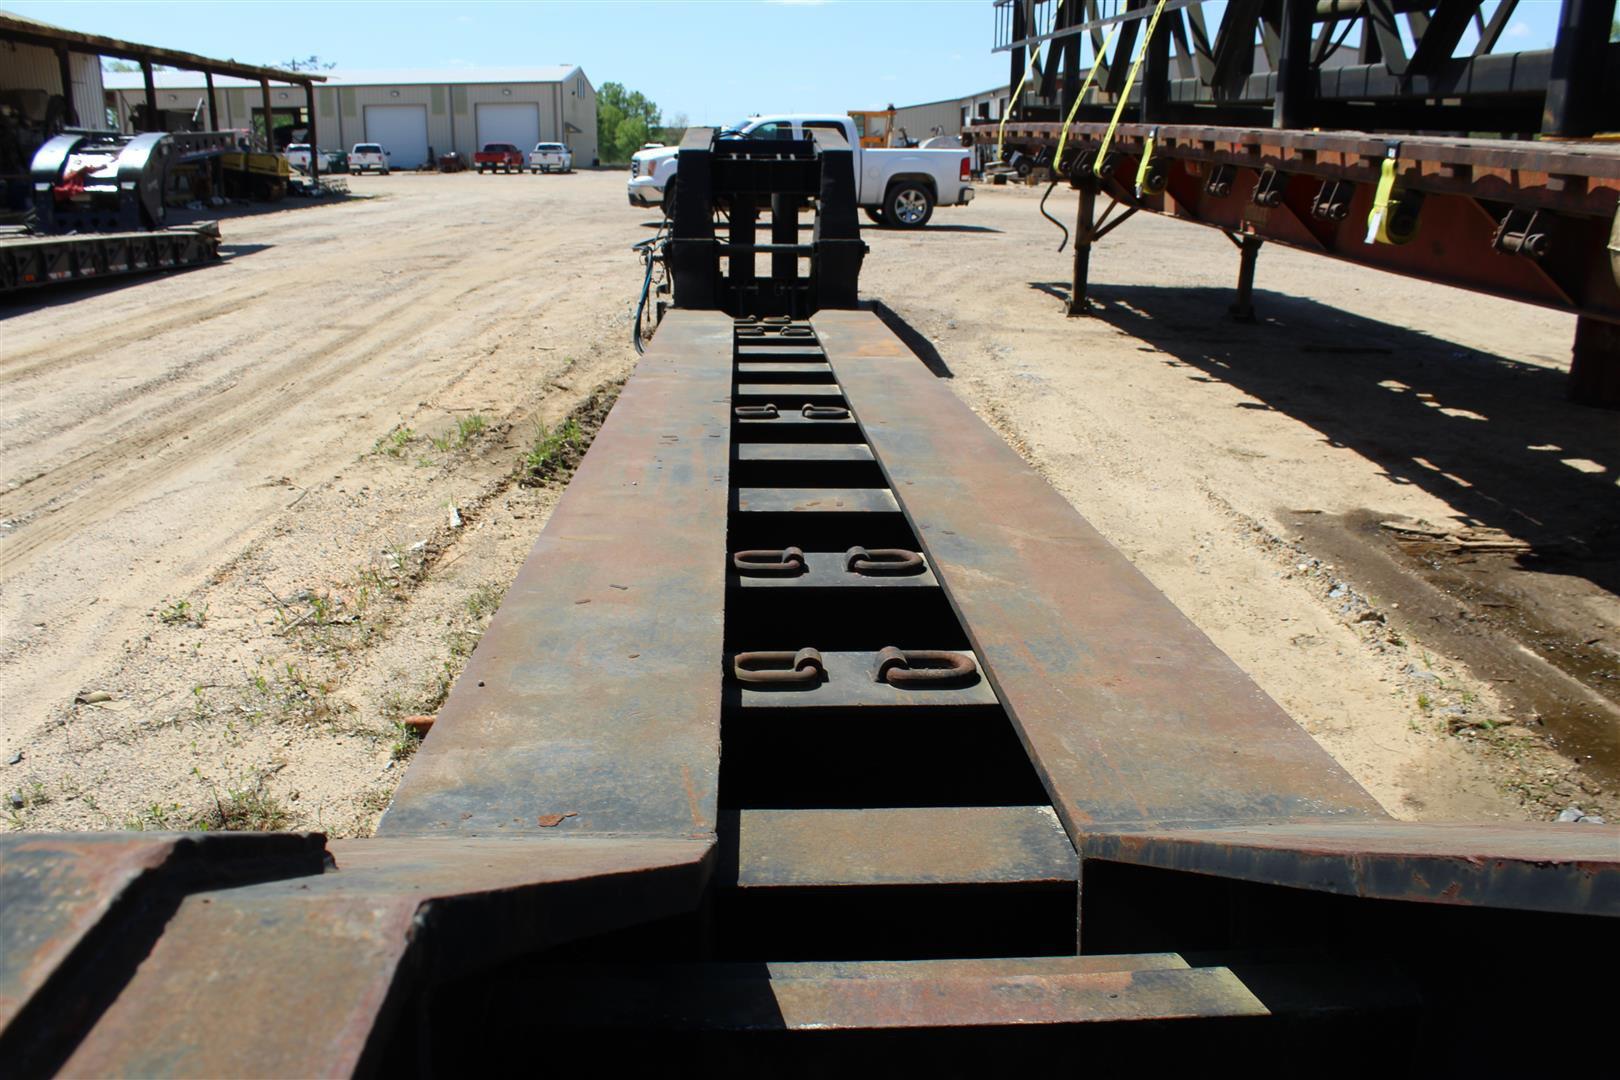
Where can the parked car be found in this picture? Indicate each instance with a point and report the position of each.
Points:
(549, 156)
(896, 187)
(499, 157)
(298, 155)
(368, 157)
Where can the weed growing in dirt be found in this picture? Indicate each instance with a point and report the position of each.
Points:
(286, 693)
(247, 809)
(553, 451)
(156, 818)
(406, 740)
(182, 612)
(485, 599)
(394, 443)
(466, 430)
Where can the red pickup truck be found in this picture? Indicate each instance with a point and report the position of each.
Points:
(499, 157)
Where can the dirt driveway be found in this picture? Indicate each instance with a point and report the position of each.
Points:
(254, 517)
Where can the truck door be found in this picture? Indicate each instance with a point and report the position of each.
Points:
(844, 131)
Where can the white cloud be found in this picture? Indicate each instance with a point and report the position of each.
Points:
(1519, 29)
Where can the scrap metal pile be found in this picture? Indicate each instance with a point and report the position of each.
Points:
(818, 732)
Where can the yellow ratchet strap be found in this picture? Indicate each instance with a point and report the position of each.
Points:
(1012, 102)
(1147, 157)
(1130, 81)
(1383, 196)
(1063, 139)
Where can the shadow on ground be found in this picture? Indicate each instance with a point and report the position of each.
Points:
(1494, 437)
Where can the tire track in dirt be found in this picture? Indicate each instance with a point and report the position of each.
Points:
(211, 426)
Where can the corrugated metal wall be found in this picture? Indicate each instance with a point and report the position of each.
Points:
(579, 109)
(920, 121)
(30, 67)
(452, 110)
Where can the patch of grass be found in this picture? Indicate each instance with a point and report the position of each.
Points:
(394, 443)
(466, 430)
(156, 818)
(485, 599)
(376, 800)
(553, 451)
(247, 809)
(182, 612)
(406, 741)
(1425, 702)
(285, 692)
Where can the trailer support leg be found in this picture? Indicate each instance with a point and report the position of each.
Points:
(1594, 369)
(1242, 309)
(1085, 229)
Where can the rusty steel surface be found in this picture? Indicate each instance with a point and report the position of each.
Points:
(595, 692)
(829, 570)
(68, 901)
(850, 680)
(815, 501)
(1554, 868)
(302, 977)
(846, 998)
(1581, 177)
(900, 846)
(1132, 717)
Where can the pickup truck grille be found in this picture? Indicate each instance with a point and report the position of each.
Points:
(635, 167)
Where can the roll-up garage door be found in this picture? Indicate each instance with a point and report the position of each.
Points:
(402, 131)
(517, 123)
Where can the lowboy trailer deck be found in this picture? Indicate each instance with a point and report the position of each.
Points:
(818, 732)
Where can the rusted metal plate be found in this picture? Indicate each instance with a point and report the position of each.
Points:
(816, 501)
(790, 393)
(692, 998)
(73, 906)
(945, 845)
(587, 697)
(1132, 716)
(759, 369)
(1004, 967)
(825, 570)
(306, 977)
(849, 680)
(1559, 868)
(793, 452)
(790, 425)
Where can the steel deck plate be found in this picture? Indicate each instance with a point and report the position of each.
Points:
(825, 570)
(810, 368)
(816, 501)
(849, 683)
(804, 452)
(792, 391)
(1133, 717)
(588, 696)
(948, 845)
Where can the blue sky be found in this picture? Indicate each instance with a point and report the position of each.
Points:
(714, 61)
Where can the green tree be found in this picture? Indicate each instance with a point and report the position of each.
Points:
(623, 119)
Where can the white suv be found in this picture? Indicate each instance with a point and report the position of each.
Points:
(368, 157)
(551, 156)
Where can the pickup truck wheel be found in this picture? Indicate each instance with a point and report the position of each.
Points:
(908, 205)
(873, 214)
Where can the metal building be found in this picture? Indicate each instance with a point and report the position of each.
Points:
(411, 112)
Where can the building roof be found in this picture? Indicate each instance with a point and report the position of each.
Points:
(33, 32)
(191, 80)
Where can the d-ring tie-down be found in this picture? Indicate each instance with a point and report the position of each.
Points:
(858, 560)
(769, 561)
(824, 412)
(914, 667)
(756, 412)
(803, 666)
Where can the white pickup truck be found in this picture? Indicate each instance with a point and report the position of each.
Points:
(898, 187)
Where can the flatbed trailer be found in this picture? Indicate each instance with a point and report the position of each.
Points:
(819, 733)
(29, 260)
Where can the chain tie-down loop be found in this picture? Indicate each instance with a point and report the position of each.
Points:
(801, 668)
(921, 667)
(858, 560)
(782, 561)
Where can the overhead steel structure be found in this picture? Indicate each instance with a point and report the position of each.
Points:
(1312, 123)
(819, 733)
